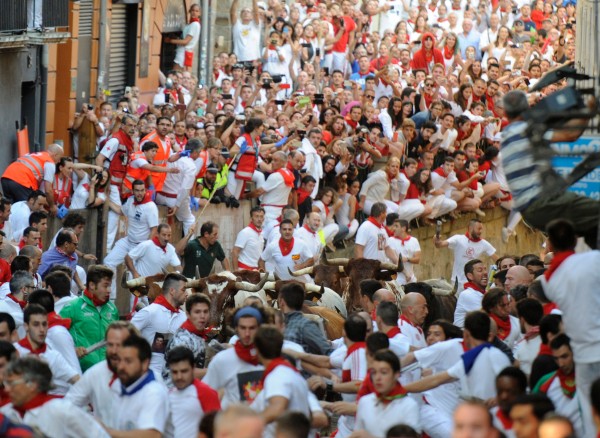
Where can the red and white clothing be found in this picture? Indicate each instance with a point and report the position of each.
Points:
(411, 208)
(142, 405)
(561, 389)
(176, 190)
(466, 249)
(502, 422)
(97, 387)
(399, 343)
(150, 258)
(277, 189)
(412, 332)
(61, 370)
(509, 330)
(251, 243)
(526, 350)
(377, 417)
(468, 300)
(239, 379)
(283, 255)
(312, 239)
(354, 368)
(374, 238)
(283, 381)
(376, 189)
(56, 417)
(19, 219)
(477, 372)
(157, 324)
(439, 403)
(60, 340)
(405, 248)
(188, 407)
(10, 305)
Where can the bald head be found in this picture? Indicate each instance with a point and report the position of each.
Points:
(517, 275)
(414, 308)
(412, 299)
(382, 295)
(56, 152)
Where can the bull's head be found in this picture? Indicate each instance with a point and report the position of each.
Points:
(143, 286)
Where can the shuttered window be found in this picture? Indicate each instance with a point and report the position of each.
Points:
(118, 61)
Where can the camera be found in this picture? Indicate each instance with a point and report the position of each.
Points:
(226, 96)
(266, 84)
(277, 78)
(318, 52)
(90, 107)
(361, 140)
(280, 102)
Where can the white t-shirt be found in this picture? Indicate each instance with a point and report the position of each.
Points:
(406, 249)
(499, 420)
(188, 407)
(13, 309)
(97, 387)
(377, 418)
(480, 382)
(81, 194)
(239, 379)
(466, 250)
(146, 408)
(374, 240)
(60, 340)
(276, 192)
(468, 301)
(140, 219)
(150, 259)
(251, 246)
(180, 183)
(300, 253)
(19, 219)
(443, 182)
(310, 239)
(246, 41)
(354, 368)
(569, 407)
(526, 351)
(157, 325)
(283, 382)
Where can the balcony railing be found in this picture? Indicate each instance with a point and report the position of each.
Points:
(55, 13)
(14, 15)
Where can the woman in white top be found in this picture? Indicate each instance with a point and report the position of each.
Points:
(326, 204)
(499, 48)
(345, 216)
(91, 192)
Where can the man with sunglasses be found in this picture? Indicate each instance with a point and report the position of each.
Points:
(65, 253)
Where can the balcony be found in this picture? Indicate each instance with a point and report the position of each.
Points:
(33, 22)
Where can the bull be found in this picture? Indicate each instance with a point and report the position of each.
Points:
(329, 276)
(441, 300)
(142, 286)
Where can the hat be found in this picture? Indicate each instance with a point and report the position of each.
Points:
(225, 152)
(497, 137)
(212, 168)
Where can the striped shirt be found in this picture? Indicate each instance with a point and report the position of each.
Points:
(522, 171)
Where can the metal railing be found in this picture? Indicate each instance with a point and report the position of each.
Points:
(55, 13)
(14, 15)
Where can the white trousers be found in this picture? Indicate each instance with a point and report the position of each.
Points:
(440, 205)
(115, 258)
(410, 209)
(113, 218)
(184, 212)
(392, 207)
(235, 185)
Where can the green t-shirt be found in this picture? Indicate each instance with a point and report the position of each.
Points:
(196, 255)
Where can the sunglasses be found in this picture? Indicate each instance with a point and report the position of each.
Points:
(369, 96)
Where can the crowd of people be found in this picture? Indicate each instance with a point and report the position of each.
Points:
(344, 123)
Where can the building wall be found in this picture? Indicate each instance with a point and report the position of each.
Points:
(10, 96)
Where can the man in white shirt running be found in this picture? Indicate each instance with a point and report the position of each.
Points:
(249, 243)
(372, 238)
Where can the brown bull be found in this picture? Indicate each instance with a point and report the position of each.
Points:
(328, 276)
(333, 322)
(143, 286)
(362, 269)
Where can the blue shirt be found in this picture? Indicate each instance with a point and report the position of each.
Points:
(472, 39)
(55, 256)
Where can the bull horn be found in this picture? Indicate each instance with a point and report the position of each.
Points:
(308, 287)
(197, 273)
(455, 288)
(334, 262)
(136, 282)
(194, 283)
(387, 266)
(300, 272)
(270, 285)
(244, 285)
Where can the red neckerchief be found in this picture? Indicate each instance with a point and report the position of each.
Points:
(286, 247)
(187, 325)
(307, 228)
(403, 241)
(247, 354)
(448, 52)
(253, 227)
(26, 344)
(389, 232)
(393, 332)
(162, 301)
(374, 222)
(157, 243)
(54, 320)
(471, 239)
(532, 333)
(95, 300)
(469, 285)
(396, 393)
(440, 172)
(373, 314)
(567, 383)
(194, 20)
(113, 377)
(353, 124)
(37, 401)
(21, 303)
(503, 326)
(559, 257)
(181, 142)
(549, 307)
(545, 350)
(302, 196)
(506, 421)
(278, 361)
(288, 177)
(70, 257)
(354, 347)
(473, 186)
(366, 387)
(405, 319)
(147, 198)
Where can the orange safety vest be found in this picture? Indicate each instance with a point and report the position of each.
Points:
(120, 160)
(28, 170)
(160, 159)
(246, 165)
(133, 174)
(204, 157)
(62, 191)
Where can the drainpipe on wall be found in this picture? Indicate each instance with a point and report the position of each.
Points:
(43, 62)
(204, 62)
(102, 47)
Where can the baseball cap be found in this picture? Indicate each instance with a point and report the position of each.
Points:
(212, 168)
(518, 22)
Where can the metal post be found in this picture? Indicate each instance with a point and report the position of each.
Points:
(210, 43)
(43, 95)
(204, 62)
(102, 48)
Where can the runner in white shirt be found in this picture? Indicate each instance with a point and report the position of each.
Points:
(389, 404)
(287, 253)
(190, 399)
(466, 247)
(478, 367)
(20, 212)
(176, 190)
(283, 387)
(99, 384)
(312, 234)
(142, 403)
(407, 247)
(20, 285)
(471, 297)
(249, 243)
(237, 370)
(496, 303)
(372, 238)
(530, 313)
(387, 322)
(158, 322)
(142, 220)
(29, 380)
(34, 343)
(414, 311)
